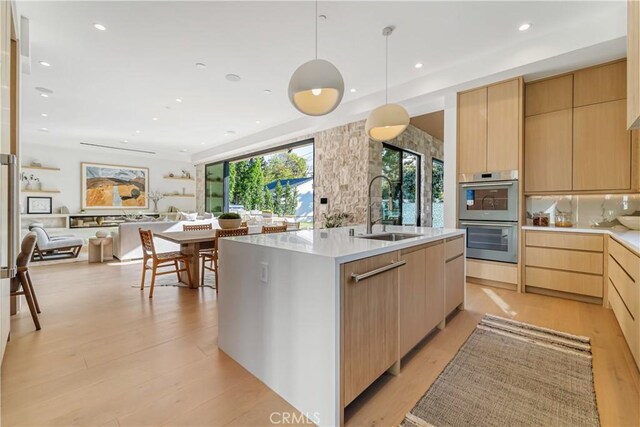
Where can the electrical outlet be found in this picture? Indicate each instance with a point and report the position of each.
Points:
(264, 272)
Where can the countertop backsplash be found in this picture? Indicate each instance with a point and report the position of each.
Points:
(586, 210)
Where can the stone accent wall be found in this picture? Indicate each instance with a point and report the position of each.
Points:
(200, 187)
(344, 162)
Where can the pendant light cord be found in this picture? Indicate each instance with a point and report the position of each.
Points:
(316, 29)
(386, 70)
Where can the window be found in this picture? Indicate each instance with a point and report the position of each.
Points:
(400, 204)
(437, 193)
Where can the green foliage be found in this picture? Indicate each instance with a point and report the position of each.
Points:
(232, 180)
(284, 166)
(278, 199)
(267, 200)
(290, 200)
(230, 215)
(437, 185)
(335, 219)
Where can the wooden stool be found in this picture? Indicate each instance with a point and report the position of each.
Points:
(100, 249)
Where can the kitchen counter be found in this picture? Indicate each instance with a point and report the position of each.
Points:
(281, 300)
(336, 243)
(628, 238)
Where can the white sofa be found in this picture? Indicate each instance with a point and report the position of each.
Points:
(126, 241)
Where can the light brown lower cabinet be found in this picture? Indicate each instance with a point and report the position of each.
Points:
(369, 323)
(624, 293)
(454, 277)
(421, 293)
(565, 264)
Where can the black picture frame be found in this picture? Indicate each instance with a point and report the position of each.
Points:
(41, 210)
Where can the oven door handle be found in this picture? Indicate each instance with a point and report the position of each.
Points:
(488, 184)
(491, 224)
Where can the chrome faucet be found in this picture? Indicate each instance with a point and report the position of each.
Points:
(369, 222)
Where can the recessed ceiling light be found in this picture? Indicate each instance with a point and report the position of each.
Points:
(200, 65)
(184, 150)
(178, 100)
(45, 64)
(124, 141)
(155, 119)
(524, 27)
(352, 90)
(232, 77)
(99, 27)
(44, 95)
(267, 91)
(230, 132)
(419, 65)
(137, 131)
(44, 115)
(43, 130)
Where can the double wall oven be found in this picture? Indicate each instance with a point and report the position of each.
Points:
(488, 210)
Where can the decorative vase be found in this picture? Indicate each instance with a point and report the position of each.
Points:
(229, 223)
(99, 220)
(155, 205)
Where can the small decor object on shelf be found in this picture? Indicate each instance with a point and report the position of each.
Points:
(171, 175)
(186, 174)
(229, 220)
(99, 220)
(35, 164)
(32, 182)
(101, 234)
(335, 219)
(38, 205)
(155, 197)
(64, 210)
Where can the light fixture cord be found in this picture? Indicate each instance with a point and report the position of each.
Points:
(316, 29)
(386, 70)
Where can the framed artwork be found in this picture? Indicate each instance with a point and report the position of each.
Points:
(114, 187)
(38, 205)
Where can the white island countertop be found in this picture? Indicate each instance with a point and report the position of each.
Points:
(337, 244)
(628, 238)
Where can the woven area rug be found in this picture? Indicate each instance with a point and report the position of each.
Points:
(510, 373)
(172, 280)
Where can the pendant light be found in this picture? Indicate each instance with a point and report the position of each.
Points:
(389, 120)
(316, 87)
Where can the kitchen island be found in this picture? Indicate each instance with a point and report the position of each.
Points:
(318, 315)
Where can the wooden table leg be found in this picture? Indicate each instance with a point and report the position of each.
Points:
(193, 251)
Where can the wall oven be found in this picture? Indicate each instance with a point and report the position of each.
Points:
(495, 241)
(488, 210)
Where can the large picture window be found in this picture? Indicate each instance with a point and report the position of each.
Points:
(401, 203)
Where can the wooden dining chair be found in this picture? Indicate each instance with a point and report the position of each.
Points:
(220, 233)
(160, 260)
(270, 229)
(22, 284)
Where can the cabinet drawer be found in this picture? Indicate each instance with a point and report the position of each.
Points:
(630, 327)
(454, 284)
(453, 247)
(564, 240)
(561, 259)
(565, 281)
(628, 289)
(627, 259)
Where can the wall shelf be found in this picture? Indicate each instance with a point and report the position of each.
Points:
(41, 191)
(179, 178)
(44, 168)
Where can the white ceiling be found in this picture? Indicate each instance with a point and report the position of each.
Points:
(108, 84)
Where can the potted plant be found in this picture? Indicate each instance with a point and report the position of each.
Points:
(230, 220)
(335, 219)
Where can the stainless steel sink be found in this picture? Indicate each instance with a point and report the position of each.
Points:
(390, 237)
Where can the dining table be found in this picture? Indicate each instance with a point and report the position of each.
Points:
(191, 243)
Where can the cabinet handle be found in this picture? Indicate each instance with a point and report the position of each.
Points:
(479, 185)
(360, 277)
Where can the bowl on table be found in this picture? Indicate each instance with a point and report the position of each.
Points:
(632, 222)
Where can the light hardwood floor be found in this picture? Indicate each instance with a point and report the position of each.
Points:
(106, 355)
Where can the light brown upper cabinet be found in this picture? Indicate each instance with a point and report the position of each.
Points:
(549, 95)
(489, 127)
(503, 125)
(633, 64)
(548, 151)
(601, 147)
(603, 83)
(472, 131)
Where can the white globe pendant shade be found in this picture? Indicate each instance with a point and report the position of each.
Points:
(386, 122)
(316, 88)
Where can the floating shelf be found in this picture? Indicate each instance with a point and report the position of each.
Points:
(179, 178)
(44, 168)
(179, 195)
(41, 191)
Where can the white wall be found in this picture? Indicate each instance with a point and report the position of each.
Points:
(67, 180)
(450, 160)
